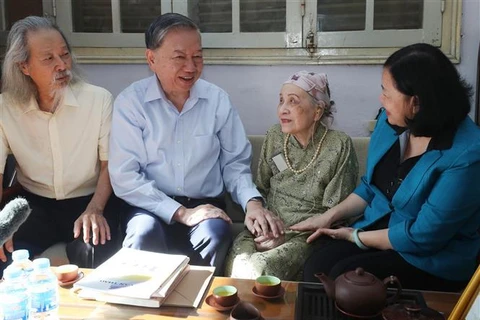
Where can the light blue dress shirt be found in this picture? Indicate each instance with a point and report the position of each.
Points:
(157, 152)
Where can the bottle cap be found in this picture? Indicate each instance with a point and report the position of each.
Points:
(41, 263)
(20, 254)
(12, 272)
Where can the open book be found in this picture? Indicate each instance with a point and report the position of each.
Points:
(187, 291)
(135, 274)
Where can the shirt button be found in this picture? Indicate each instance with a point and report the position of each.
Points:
(179, 188)
(178, 164)
(178, 141)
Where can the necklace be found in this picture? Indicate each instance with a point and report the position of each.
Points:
(285, 152)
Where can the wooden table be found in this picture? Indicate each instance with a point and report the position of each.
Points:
(71, 307)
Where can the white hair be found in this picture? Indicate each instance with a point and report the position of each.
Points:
(17, 87)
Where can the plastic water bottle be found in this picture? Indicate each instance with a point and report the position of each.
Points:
(43, 291)
(14, 295)
(20, 260)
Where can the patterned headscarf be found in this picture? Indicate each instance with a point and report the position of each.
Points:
(315, 84)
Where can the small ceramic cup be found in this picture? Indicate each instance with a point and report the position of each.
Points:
(66, 272)
(245, 311)
(225, 296)
(268, 285)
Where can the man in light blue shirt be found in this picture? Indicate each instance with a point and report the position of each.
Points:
(177, 145)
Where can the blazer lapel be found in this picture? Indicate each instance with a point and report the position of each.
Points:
(379, 145)
(414, 177)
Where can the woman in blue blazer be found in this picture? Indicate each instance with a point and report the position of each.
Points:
(419, 201)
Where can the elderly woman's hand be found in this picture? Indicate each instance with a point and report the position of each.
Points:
(268, 242)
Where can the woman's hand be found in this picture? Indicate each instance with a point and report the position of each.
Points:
(312, 223)
(268, 242)
(320, 225)
(315, 224)
(340, 233)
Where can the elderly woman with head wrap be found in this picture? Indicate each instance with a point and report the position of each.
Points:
(305, 168)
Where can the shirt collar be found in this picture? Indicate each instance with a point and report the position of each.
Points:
(155, 91)
(69, 99)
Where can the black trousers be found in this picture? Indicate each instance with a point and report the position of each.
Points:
(52, 220)
(335, 257)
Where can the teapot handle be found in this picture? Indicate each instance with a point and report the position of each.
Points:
(393, 280)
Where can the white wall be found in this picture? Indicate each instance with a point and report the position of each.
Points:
(254, 89)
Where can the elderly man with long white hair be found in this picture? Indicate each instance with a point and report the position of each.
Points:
(57, 126)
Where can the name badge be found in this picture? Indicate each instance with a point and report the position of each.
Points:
(280, 162)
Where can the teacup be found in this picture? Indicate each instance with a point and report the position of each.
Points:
(268, 285)
(245, 311)
(225, 296)
(66, 272)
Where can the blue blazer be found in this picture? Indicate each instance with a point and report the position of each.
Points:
(435, 213)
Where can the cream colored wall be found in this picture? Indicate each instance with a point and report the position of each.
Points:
(254, 89)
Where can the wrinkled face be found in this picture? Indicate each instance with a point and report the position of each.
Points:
(397, 105)
(178, 62)
(50, 61)
(296, 112)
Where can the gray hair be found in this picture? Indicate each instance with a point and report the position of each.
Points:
(16, 86)
(158, 29)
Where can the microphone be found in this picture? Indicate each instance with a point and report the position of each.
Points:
(11, 218)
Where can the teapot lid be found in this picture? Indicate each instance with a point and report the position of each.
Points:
(360, 277)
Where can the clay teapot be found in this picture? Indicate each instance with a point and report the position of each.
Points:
(359, 293)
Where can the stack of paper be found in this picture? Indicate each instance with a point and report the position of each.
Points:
(145, 278)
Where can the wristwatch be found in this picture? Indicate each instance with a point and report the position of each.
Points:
(257, 199)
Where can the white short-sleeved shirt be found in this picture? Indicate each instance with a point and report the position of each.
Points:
(58, 155)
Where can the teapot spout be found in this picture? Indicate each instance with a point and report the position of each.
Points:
(328, 284)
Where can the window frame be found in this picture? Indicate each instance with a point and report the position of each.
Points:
(271, 53)
(243, 40)
(48, 11)
(116, 39)
(430, 33)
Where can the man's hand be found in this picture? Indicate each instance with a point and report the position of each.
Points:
(8, 245)
(268, 242)
(93, 224)
(194, 216)
(260, 221)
